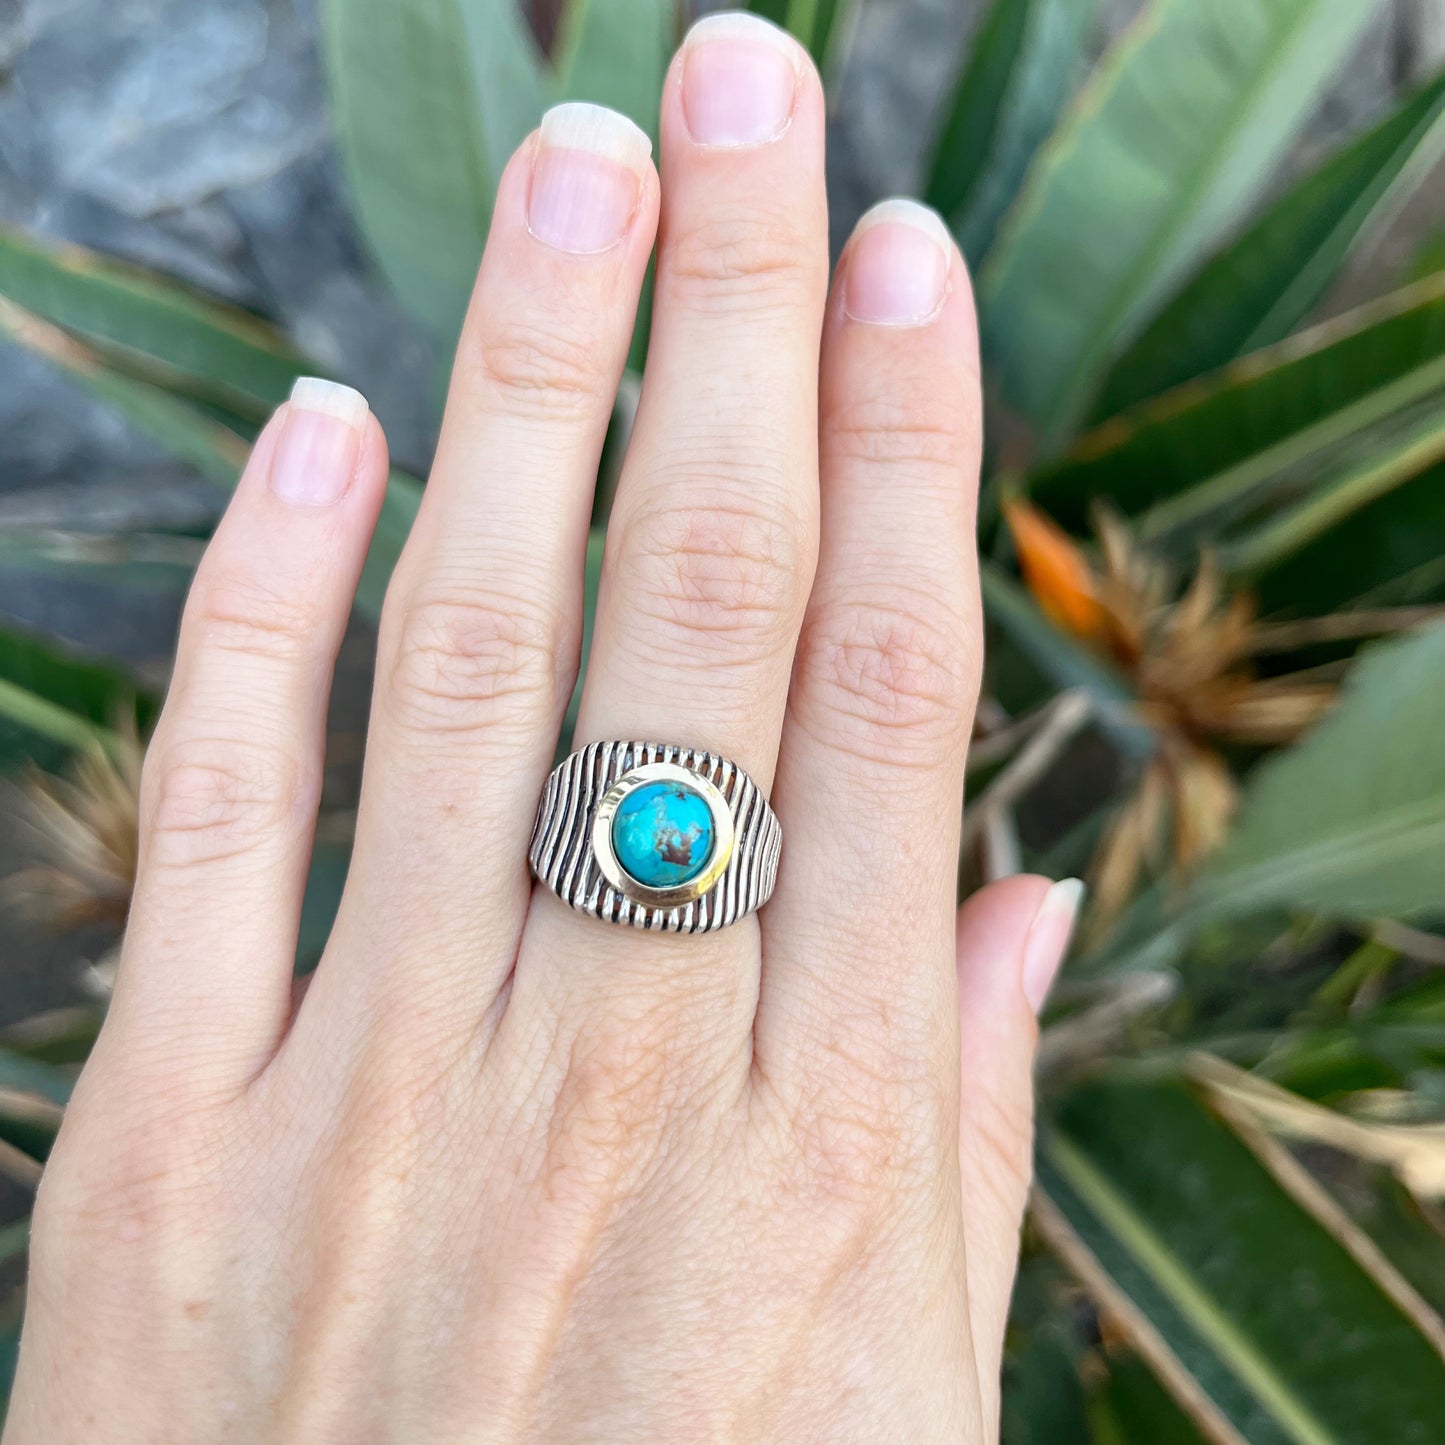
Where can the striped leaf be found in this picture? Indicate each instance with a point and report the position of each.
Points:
(132, 562)
(1338, 497)
(153, 326)
(615, 53)
(820, 25)
(215, 449)
(1020, 71)
(1257, 289)
(1161, 153)
(1389, 553)
(53, 700)
(430, 97)
(1197, 456)
(1264, 1311)
(1131, 1407)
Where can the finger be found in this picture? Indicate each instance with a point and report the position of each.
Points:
(233, 774)
(480, 633)
(1012, 937)
(712, 537)
(858, 940)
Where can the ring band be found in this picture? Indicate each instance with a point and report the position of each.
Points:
(656, 836)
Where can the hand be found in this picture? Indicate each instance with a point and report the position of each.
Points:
(506, 1173)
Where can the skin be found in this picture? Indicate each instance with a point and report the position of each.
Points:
(504, 1173)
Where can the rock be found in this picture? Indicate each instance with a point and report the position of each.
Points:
(662, 834)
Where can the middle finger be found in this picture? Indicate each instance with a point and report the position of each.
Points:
(714, 532)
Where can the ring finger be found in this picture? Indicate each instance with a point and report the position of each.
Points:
(713, 535)
(712, 538)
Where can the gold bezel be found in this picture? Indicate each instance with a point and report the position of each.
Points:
(722, 830)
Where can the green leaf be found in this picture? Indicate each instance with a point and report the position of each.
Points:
(820, 25)
(1337, 499)
(1206, 448)
(1043, 1401)
(615, 53)
(1158, 157)
(1429, 257)
(1131, 1407)
(1401, 1226)
(56, 1036)
(52, 700)
(1329, 1064)
(1256, 1312)
(1254, 291)
(31, 1076)
(324, 884)
(1348, 823)
(1390, 554)
(33, 1096)
(28, 1124)
(591, 584)
(1019, 73)
(14, 1241)
(178, 425)
(430, 98)
(177, 337)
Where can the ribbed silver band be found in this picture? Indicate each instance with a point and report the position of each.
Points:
(562, 856)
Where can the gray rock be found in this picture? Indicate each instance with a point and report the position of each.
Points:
(154, 105)
(189, 136)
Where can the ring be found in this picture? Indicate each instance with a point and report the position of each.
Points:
(656, 836)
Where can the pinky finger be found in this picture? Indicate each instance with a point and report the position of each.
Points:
(1012, 937)
(233, 775)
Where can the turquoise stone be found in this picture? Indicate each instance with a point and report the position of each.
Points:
(662, 834)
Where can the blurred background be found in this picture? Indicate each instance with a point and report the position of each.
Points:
(1208, 238)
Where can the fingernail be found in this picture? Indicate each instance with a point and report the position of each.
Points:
(897, 265)
(586, 178)
(1048, 939)
(739, 80)
(320, 442)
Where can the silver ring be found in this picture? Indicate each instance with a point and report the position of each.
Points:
(656, 836)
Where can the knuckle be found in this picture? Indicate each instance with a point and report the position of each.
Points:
(145, 1178)
(891, 681)
(741, 253)
(461, 664)
(538, 367)
(722, 574)
(869, 1132)
(890, 431)
(244, 616)
(396, 1107)
(209, 799)
(609, 1109)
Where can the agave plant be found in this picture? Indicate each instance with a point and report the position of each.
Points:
(1213, 527)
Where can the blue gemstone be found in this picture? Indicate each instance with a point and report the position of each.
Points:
(662, 834)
